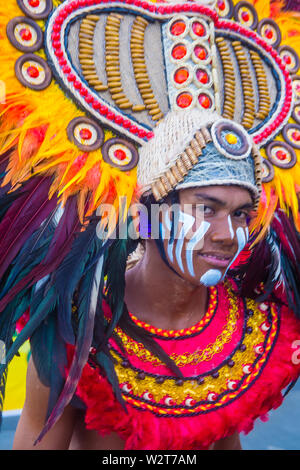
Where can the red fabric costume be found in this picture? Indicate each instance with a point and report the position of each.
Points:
(236, 361)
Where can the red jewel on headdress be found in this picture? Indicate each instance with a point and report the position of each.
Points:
(181, 75)
(184, 100)
(34, 3)
(178, 28)
(26, 34)
(296, 136)
(281, 154)
(245, 16)
(85, 134)
(221, 5)
(287, 59)
(120, 154)
(202, 76)
(204, 100)
(33, 71)
(269, 33)
(200, 52)
(198, 28)
(179, 51)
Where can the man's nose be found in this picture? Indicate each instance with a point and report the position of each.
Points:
(222, 230)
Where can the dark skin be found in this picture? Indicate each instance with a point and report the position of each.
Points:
(157, 296)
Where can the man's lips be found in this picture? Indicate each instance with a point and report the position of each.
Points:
(220, 260)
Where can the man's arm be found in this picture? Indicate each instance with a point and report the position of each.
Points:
(33, 418)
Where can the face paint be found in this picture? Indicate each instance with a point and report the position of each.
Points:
(230, 227)
(192, 243)
(214, 276)
(211, 277)
(187, 221)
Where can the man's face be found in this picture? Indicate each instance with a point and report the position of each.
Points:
(203, 236)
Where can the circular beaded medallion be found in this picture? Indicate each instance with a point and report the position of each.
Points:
(246, 14)
(24, 34)
(33, 72)
(290, 58)
(224, 8)
(291, 134)
(270, 32)
(203, 77)
(36, 9)
(85, 134)
(281, 154)
(201, 53)
(180, 51)
(231, 139)
(120, 154)
(267, 171)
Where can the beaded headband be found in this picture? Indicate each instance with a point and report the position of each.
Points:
(100, 76)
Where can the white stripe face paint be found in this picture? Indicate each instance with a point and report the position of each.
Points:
(230, 228)
(214, 276)
(187, 221)
(199, 235)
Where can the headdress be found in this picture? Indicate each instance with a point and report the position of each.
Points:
(86, 84)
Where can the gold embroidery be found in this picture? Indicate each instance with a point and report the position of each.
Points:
(169, 393)
(136, 349)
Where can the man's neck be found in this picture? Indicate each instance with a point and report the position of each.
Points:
(158, 296)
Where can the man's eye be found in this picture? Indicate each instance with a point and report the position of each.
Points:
(208, 210)
(241, 215)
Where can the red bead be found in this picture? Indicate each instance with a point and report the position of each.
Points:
(83, 92)
(281, 155)
(26, 34)
(77, 85)
(269, 33)
(204, 100)
(118, 119)
(110, 115)
(34, 3)
(181, 75)
(184, 100)
(200, 52)
(56, 44)
(62, 62)
(96, 105)
(133, 129)
(202, 76)
(245, 16)
(66, 69)
(142, 133)
(198, 29)
(126, 123)
(221, 5)
(71, 77)
(103, 110)
(89, 99)
(85, 134)
(296, 136)
(179, 51)
(59, 53)
(287, 59)
(120, 154)
(150, 135)
(178, 28)
(33, 71)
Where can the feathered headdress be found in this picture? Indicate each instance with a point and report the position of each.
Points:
(84, 84)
